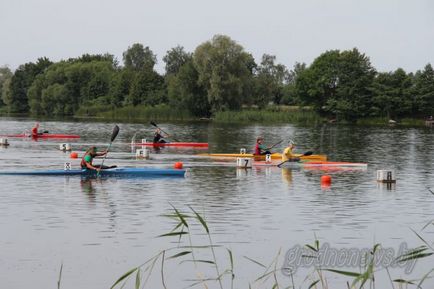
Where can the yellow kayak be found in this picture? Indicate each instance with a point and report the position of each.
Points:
(262, 157)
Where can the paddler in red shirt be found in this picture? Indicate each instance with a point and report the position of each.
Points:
(35, 130)
(260, 148)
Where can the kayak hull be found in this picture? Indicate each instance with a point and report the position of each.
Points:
(135, 172)
(313, 164)
(275, 156)
(44, 135)
(173, 144)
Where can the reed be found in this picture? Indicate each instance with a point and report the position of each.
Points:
(269, 115)
(190, 252)
(135, 113)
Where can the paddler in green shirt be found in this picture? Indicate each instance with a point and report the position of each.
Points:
(91, 153)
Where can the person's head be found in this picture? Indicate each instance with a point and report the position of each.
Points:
(93, 150)
(259, 139)
(37, 124)
(158, 131)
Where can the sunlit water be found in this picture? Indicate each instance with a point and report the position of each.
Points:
(99, 229)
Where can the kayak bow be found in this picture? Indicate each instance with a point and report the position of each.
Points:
(134, 172)
(44, 135)
(313, 164)
(262, 157)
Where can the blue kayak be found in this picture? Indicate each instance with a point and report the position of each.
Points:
(134, 172)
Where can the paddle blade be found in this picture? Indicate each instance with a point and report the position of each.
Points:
(308, 153)
(154, 124)
(114, 133)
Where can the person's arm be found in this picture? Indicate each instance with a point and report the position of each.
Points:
(90, 167)
(102, 153)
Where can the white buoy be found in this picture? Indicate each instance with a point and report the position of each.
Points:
(4, 142)
(244, 163)
(65, 147)
(142, 153)
(67, 166)
(243, 151)
(386, 176)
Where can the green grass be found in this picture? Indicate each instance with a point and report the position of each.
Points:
(135, 113)
(269, 115)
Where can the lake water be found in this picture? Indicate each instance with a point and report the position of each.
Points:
(99, 229)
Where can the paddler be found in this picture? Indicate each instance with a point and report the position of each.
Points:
(260, 148)
(91, 153)
(288, 155)
(35, 130)
(158, 136)
(35, 133)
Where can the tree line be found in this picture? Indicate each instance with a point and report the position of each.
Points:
(219, 75)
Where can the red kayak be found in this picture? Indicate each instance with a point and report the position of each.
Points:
(43, 135)
(172, 144)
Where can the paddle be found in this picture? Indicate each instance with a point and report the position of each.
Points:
(114, 135)
(308, 153)
(154, 124)
(279, 142)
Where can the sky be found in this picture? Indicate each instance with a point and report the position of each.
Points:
(393, 33)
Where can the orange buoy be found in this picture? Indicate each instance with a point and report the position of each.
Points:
(178, 165)
(73, 155)
(326, 180)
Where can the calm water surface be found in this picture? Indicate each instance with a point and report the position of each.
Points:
(99, 229)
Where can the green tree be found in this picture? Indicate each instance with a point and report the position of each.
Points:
(392, 94)
(55, 99)
(147, 88)
(138, 57)
(175, 58)
(270, 81)
(424, 91)
(289, 90)
(5, 76)
(185, 92)
(120, 86)
(22, 79)
(225, 71)
(338, 84)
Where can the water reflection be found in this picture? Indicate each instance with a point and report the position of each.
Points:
(102, 226)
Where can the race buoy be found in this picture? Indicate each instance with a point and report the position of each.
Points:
(178, 165)
(73, 155)
(142, 153)
(4, 142)
(326, 180)
(386, 176)
(65, 147)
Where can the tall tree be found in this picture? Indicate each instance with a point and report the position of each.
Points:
(392, 95)
(224, 70)
(138, 57)
(339, 84)
(424, 91)
(270, 81)
(22, 79)
(175, 58)
(5, 76)
(185, 92)
(147, 88)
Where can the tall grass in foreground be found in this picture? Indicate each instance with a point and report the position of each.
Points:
(205, 254)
